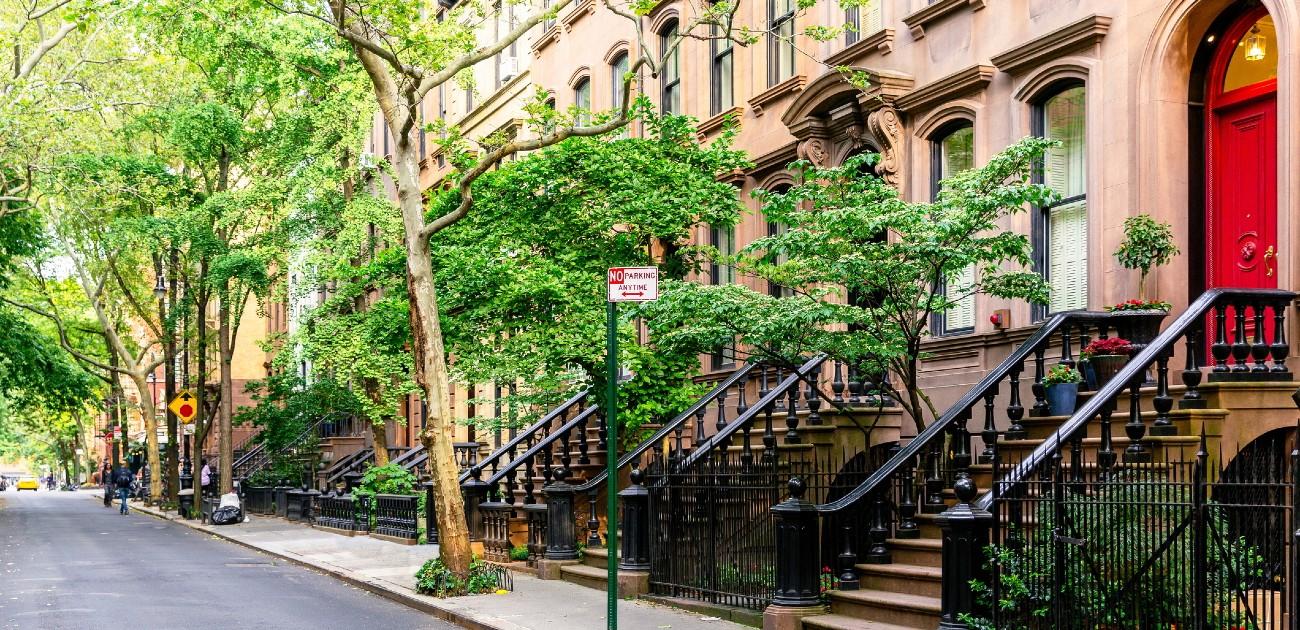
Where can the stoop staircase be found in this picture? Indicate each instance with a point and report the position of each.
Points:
(1043, 477)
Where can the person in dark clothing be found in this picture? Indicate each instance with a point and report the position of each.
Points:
(122, 480)
(106, 478)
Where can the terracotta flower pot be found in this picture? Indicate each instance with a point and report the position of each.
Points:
(1106, 366)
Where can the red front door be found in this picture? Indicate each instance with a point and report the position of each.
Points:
(1241, 205)
(1243, 190)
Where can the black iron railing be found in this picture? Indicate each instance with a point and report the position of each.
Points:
(396, 516)
(526, 437)
(260, 457)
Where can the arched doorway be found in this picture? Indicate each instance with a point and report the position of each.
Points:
(1241, 156)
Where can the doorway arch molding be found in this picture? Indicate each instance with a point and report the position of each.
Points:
(1161, 150)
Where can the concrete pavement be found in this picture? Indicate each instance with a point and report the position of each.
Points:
(67, 562)
(389, 569)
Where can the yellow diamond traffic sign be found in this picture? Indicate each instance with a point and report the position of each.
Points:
(184, 405)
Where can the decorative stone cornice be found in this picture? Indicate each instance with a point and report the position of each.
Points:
(788, 86)
(775, 159)
(885, 125)
(932, 13)
(1070, 38)
(954, 86)
(880, 42)
(550, 36)
(580, 10)
(715, 123)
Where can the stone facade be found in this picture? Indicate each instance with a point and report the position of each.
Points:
(936, 66)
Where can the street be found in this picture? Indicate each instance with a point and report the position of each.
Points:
(68, 562)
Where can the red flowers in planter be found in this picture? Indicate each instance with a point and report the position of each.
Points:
(1141, 305)
(1108, 346)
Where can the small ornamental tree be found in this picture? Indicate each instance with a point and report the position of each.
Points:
(862, 267)
(1147, 243)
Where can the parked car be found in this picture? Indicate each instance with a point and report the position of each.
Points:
(28, 483)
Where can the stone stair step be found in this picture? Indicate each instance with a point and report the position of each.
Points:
(902, 578)
(903, 609)
(845, 622)
(925, 552)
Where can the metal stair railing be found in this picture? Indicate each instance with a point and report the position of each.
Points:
(527, 435)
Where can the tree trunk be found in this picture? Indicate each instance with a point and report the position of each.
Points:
(169, 372)
(431, 370)
(379, 434)
(150, 435)
(225, 346)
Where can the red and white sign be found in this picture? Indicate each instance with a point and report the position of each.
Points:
(633, 284)
(117, 433)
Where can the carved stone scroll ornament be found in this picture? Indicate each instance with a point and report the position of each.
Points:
(887, 130)
(814, 150)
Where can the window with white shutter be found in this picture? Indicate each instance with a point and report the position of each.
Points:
(1062, 238)
(864, 19)
(953, 151)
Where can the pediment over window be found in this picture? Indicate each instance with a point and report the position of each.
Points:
(1070, 38)
(832, 91)
(959, 84)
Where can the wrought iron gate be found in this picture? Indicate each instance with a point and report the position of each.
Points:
(1180, 543)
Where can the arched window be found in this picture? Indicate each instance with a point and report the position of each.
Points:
(1061, 228)
(617, 71)
(582, 99)
(671, 77)
(952, 150)
(780, 40)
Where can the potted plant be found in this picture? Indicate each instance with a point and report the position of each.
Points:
(1062, 383)
(1107, 357)
(1147, 244)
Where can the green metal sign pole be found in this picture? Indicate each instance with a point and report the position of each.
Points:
(611, 459)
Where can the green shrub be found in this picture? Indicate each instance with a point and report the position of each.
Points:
(434, 578)
(519, 553)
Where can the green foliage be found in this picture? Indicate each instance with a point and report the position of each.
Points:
(388, 479)
(862, 266)
(434, 578)
(1147, 243)
(1060, 374)
(284, 406)
(522, 278)
(519, 553)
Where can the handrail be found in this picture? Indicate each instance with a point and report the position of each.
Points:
(772, 396)
(348, 464)
(938, 427)
(1195, 314)
(671, 426)
(537, 448)
(524, 435)
(265, 457)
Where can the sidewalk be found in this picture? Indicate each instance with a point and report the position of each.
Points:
(388, 570)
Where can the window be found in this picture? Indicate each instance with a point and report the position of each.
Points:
(774, 289)
(505, 64)
(952, 151)
(723, 238)
(617, 71)
(780, 40)
(721, 81)
(549, 22)
(1061, 229)
(671, 99)
(582, 100)
(862, 20)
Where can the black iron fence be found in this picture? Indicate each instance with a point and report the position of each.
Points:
(344, 512)
(396, 516)
(258, 500)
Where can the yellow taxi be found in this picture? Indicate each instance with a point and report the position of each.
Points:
(28, 483)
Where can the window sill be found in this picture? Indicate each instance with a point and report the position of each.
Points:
(792, 85)
(881, 42)
(580, 10)
(715, 123)
(936, 12)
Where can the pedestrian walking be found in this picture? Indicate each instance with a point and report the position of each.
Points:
(106, 478)
(205, 478)
(122, 480)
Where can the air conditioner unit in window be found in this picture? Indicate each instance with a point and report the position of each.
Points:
(509, 68)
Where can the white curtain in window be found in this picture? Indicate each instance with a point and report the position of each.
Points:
(1065, 172)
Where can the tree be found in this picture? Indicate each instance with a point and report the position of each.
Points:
(407, 52)
(864, 268)
(1147, 243)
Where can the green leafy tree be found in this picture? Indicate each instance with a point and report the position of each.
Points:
(863, 267)
(1147, 243)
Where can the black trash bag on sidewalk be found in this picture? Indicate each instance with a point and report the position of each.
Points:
(229, 512)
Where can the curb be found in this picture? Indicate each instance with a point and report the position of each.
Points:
(408, 600)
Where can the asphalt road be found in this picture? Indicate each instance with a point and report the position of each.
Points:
(68, 562)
